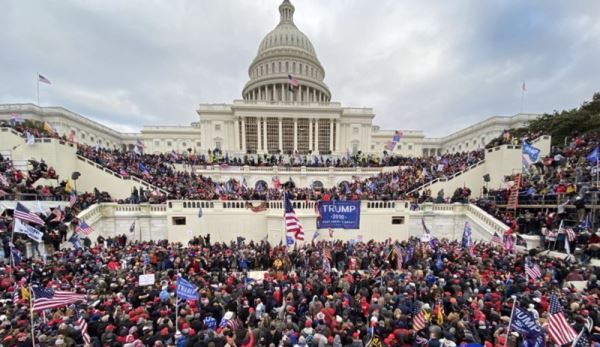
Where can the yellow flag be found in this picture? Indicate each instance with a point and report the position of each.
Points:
(24, 293)
(69, 185)
(48, 128)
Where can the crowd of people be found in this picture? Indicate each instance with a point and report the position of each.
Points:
(15, 184)
(318, 294)
(160, 171)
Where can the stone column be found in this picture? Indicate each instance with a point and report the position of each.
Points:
(337, 136)
(316, 150)
(310, 133)
(258, 139)
(236, 134)
(243, 135)
(295, 134)
(331, 135)
(265, 143)
(314, 95)
(283, 92)
(280, 134)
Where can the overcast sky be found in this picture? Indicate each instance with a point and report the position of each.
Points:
(437, 66)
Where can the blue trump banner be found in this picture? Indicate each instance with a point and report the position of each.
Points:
(339, 215)
(525, 324)
(186, 290)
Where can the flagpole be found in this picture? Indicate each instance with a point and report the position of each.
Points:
(38, 88)
(31, 315)
(512, 312)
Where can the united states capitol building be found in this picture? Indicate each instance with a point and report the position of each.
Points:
(286, 107)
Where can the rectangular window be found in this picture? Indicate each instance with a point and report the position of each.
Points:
(251, 135)
(324, 135)
(287, 130)
(272, 135)
(303, 124)
(217, 127)
(396, 220)
(169, 143)
(355, 131)
(178, 221)
(156, 143)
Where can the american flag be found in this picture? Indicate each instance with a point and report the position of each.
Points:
(583, 339)
(496, 238)
(292, 223)
(418, 318)
(560, 330)
(22, 213)
(532, 270)
(293, 81)
(3, 180)
(72, 199)
(16, 296)
(44, 299)
(84, 228)
(569, 232)
(43, 79)
(82, 327)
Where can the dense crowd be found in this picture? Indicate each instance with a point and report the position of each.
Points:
(16, 184)
(160, 170)
(298, 298)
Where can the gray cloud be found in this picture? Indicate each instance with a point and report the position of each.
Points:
(430, 65)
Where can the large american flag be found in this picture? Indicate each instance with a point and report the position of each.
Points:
(82, 327)
(560, 330)
(418, 318)
(84, 228)
(44, 299)
(292, 223)
(22, 213)
(532, 270)
(293, 81)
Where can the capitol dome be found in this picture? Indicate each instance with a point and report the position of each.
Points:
(284, 52)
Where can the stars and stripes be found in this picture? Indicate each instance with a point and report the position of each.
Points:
(560, 330)
(84, 228)
(292, 223)
(72, 199)
(22, 213)
(43, 79)
(496, 238)
(418, 318)
(583, 339)
(16, 295)
(44, 299)
(532, 270)
(82, 324)
(293, 82)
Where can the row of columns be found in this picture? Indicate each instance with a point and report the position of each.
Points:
(280, 92)
(262, 141)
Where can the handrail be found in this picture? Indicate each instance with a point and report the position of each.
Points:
(133, 178)
(446, 179)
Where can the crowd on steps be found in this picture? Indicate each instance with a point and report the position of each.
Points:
(336, 294)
